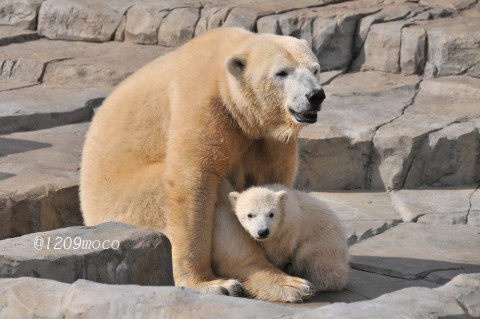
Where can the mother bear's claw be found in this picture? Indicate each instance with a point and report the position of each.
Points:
(228, 287)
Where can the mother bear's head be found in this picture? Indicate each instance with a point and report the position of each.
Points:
(273, 85)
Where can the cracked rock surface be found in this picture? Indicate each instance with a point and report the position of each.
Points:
(395, 153)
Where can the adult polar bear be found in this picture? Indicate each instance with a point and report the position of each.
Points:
(228, 104)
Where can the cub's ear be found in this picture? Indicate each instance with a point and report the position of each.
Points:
(305, 42)
(233, 196)
(282, 196)
(236, 65)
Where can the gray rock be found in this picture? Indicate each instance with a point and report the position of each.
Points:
(415, 303)
(336, 153)
(413, 50)
(457, 4)
(410, 144)
(371, 83)
(20, 13)
(178, 26)
(211, 18)
(454, 87)
(387, 14)
(144, 18)
(120, 31)
(466, 288)
(39, 180)
(93, 300)
(382, 47)
(88, 20)
(460, 144)
(112, 253)
(373, 285)
(40, 107)
(328, 76)
(454, 48)
(78, 63)
(330, 160)
(446, 206)
(143, 22)
(28, 297)
(242, 17)
(380, 15)
(18, 298)
(412, 251)
(443, 276)
(9, 35)
(329, 31)
(6, 85)
(364, 214)
(473, 215)
(21, 69)
(52, 203)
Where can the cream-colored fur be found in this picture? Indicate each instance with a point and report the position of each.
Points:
(234, 252)
(304, 237)
(164, 140)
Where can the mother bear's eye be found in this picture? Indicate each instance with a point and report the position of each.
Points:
(282, 74)
(315, 72)
(250, 216)
(270, 215)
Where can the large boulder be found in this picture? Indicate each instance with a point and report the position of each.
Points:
(111, 253)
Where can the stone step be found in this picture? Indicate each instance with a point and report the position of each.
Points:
(112, 253)
(435, 253)
(116, 253)
(39, 185)
(439, 39)
(445, 206)
(74, 63)
(363, 213)
(375, 130)
(39, 180)
(9, 35)
(39, 107)
(35, 297)
(384, 131)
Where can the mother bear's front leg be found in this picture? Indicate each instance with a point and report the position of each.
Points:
(192, 179)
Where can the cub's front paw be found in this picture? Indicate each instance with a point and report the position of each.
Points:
(295, 289)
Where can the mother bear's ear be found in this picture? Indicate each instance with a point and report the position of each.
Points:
(236, 65)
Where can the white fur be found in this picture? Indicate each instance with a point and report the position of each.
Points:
(306, 239)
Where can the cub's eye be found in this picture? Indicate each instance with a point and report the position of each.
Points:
(270, 215)
(282, 74)
(250, 216)
(315, 72)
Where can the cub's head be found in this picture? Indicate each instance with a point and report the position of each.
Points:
(273, 84)
(259, 210)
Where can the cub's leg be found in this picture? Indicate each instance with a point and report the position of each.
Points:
(326, 267)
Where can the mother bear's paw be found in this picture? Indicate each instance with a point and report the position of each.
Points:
(229, 287)
(280, 288)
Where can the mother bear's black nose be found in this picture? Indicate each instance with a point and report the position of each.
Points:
(316, 97)
(263, 233)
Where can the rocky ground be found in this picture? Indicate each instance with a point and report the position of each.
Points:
(395, 153)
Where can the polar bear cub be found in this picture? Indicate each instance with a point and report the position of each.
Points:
(298, 232)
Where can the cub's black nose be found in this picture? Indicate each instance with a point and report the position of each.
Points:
(316, 97)
(263, 233)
